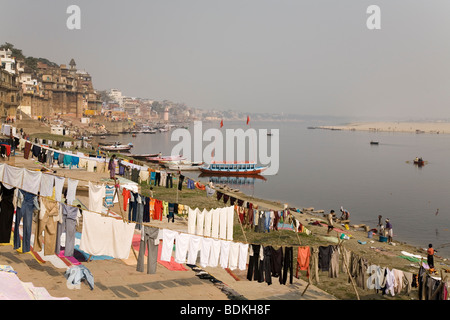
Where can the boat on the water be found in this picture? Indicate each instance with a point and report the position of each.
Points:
(182, 165)
(419, 161)
(161, 159)
(117, 147)
(374, 142)
(143, 156)
(232, 168)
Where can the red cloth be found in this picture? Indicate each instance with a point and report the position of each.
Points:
(158, 210)
(8, 149)
(126, 196)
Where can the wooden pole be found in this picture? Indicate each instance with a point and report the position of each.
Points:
(348, 272)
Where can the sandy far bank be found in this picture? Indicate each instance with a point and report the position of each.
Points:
(410, 127)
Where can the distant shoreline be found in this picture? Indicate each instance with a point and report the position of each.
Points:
(395, 126)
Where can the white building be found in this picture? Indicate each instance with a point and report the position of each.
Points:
(8, 62)
(116, 95)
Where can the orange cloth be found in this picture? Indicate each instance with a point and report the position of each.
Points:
(303, 256)
(126, 196)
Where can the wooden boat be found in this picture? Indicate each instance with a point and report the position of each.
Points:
(160, 159)
(232, 168)
(143, 156)
(419, 161)
(183, 165)
(117, 147)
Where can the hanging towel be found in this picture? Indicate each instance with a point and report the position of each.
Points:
(31, 181)
(192, 220)
(47, 182)
(207, 223)
(215, 219)
(230, 222)
(168, 238)
(96, 195)
(223, 213)
(200, 222)
(59, 185)
(205, 251)
(243, 254)
(233, 255)
(224, 253)
(194, 248)
(181, 247)
(12, 176)
(215, 253)
(71, 190)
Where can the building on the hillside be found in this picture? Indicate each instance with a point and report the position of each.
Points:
(8, 62)
(116, 95)
(10, 93)
(166, 114)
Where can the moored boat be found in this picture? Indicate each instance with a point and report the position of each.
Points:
(232, 168)
(117, 147)
(182, 165)
(160, 159)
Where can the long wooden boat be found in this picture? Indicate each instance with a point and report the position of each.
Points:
(159, 159)
(232, 168)
(117, 147)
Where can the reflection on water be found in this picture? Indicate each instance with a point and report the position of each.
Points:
(236, 180)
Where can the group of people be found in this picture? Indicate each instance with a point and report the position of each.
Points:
(384, 230)
(331, 217)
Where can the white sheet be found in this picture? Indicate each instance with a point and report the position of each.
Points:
(12, 176)
(96, 195)
(168, 237)
(181, 247)
(47, 182)
(106, 236)
(71, 190)
(31, 181)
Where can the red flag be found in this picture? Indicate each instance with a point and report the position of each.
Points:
(248, 119)
(221, 123)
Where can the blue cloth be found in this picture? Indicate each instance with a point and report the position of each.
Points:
(190, 184)
(75, 274)
(67, 160)
(75, 161)
(55, 155)
(109, 194)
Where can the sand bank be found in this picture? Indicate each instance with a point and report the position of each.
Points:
(407, 127)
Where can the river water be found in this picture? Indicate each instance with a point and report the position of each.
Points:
(328, 169)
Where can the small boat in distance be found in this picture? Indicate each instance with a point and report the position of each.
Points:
(232, 168)
(374, 142)
(419, 161)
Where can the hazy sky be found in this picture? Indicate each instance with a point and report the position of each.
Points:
(314, 57)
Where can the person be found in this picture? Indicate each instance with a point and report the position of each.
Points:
(112, 167)
(330, 217)
(389, 230)
(430, 257)
(345, 215)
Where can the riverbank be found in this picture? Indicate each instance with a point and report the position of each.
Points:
(397, 126)
(378, 253)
